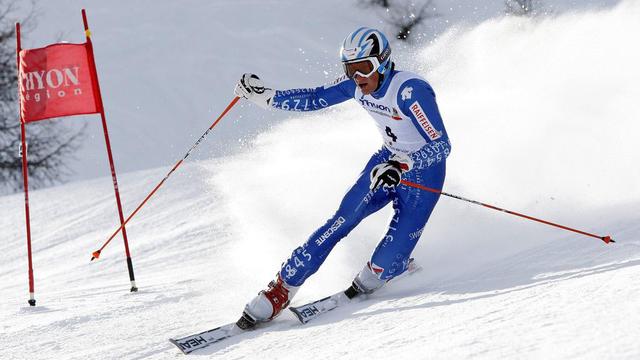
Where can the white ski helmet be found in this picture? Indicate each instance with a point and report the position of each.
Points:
(366, 44)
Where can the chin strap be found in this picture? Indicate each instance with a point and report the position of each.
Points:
(380, 81)
(383, 77)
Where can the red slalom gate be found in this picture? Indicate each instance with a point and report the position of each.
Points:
(54, 81)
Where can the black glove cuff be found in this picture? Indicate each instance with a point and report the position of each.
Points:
(395, 164)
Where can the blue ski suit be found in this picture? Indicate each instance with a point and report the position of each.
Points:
(407, 116)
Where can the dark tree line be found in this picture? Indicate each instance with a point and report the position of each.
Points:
(404, 16)
(50, 145)
(522, 7)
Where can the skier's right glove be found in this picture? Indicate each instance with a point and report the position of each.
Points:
(386, 174)
(251, 88)
(389, 174)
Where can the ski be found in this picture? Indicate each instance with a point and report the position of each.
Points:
(190, 343)
(312, 310)
(304, 313)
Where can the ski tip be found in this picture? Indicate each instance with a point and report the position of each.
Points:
(297, 314)
(175, 342)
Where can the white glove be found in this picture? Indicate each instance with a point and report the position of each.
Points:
(251, 88)
(405, 160)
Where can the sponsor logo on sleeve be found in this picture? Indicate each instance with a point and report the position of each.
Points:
(422, 118)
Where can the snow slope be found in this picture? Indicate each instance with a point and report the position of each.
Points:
(542, 118)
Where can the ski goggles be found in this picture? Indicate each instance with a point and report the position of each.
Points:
(362, 67)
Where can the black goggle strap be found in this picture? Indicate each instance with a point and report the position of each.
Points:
(386, 53)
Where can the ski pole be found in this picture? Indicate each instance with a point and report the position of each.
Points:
(96, 254)
(607, 239)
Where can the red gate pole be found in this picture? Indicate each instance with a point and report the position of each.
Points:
(25, 175)
(106, 139)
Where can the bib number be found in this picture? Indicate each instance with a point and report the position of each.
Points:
(391, 134)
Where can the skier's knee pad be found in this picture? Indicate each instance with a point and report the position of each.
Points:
(367, 281)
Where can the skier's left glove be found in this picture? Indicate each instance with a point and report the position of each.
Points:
(389, 174)
(251, 87)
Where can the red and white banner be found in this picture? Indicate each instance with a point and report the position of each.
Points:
(57, 80)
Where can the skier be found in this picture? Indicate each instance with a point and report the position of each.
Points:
(415, 148)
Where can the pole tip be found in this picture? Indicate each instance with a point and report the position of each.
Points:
(95, 255)
(607, 239)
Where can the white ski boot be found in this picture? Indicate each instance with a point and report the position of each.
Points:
(366, 282)
(268, 304)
